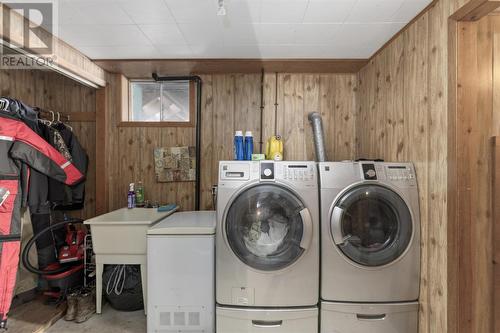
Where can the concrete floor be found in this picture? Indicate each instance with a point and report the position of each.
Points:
(110, 321)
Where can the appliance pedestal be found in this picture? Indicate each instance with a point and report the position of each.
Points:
(373, 318)
(250, 320)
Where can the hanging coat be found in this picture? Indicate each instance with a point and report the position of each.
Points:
(20, 144)
(29, 116)
(61, 196)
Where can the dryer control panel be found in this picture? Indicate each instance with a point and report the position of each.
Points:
(400, 173)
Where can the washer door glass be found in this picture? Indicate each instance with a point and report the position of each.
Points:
(264, 227)
(371, 225)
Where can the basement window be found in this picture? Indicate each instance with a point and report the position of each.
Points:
(161, 103)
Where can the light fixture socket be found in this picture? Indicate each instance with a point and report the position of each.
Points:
(221, 10)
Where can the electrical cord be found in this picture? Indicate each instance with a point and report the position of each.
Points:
(117, 276)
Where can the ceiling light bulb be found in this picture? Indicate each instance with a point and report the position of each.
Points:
(221, 11)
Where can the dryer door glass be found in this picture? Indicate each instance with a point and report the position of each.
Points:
(372, 225)
(264, 227)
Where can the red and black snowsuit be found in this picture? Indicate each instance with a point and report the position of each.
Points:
(21, 145)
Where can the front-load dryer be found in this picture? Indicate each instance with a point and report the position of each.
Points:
(267, 238)
(370, 232)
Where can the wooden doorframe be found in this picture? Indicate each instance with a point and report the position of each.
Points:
(101, 151)
(452, 243)
(457, 322)
(495, 145)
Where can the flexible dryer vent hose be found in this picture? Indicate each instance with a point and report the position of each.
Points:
(25, 254)
(319, 137)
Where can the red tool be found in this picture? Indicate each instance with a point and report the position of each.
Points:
(67, 272)
(74, 248)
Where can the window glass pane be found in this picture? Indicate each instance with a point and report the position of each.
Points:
(160, 101)
(175, 101)
(146, 104)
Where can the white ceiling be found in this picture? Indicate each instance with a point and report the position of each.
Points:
(162, 29)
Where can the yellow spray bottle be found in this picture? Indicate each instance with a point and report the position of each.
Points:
(274, 148)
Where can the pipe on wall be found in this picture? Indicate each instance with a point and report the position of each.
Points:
(197, 80)
(319, 136)
(261, 139)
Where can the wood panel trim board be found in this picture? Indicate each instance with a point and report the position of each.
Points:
(452, 228)
(475, 10)
(154, 124)
(143, 68)
(101, 205)
(495, 144)
(68, 60)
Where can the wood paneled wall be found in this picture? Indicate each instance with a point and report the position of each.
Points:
(403, 116)
(130, 154)
(405, 113)
(231, 102)
(53, 91)
(394, 124)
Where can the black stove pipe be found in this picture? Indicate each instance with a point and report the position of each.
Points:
(197, 80)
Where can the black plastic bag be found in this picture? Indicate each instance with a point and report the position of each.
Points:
(122, 287)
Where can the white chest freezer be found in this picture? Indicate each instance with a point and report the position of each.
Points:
(181, 273)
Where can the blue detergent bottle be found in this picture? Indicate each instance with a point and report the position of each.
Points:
(238, 146)
(248, 145)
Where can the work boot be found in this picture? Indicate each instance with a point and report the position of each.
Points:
(71, 300)
(85, 305)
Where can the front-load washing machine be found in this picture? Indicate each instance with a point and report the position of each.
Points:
(267, 246)
(370, 246)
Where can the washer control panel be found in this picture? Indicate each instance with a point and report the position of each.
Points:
(399, 172)
(298, 172)
(233, 173)
(304, 173)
